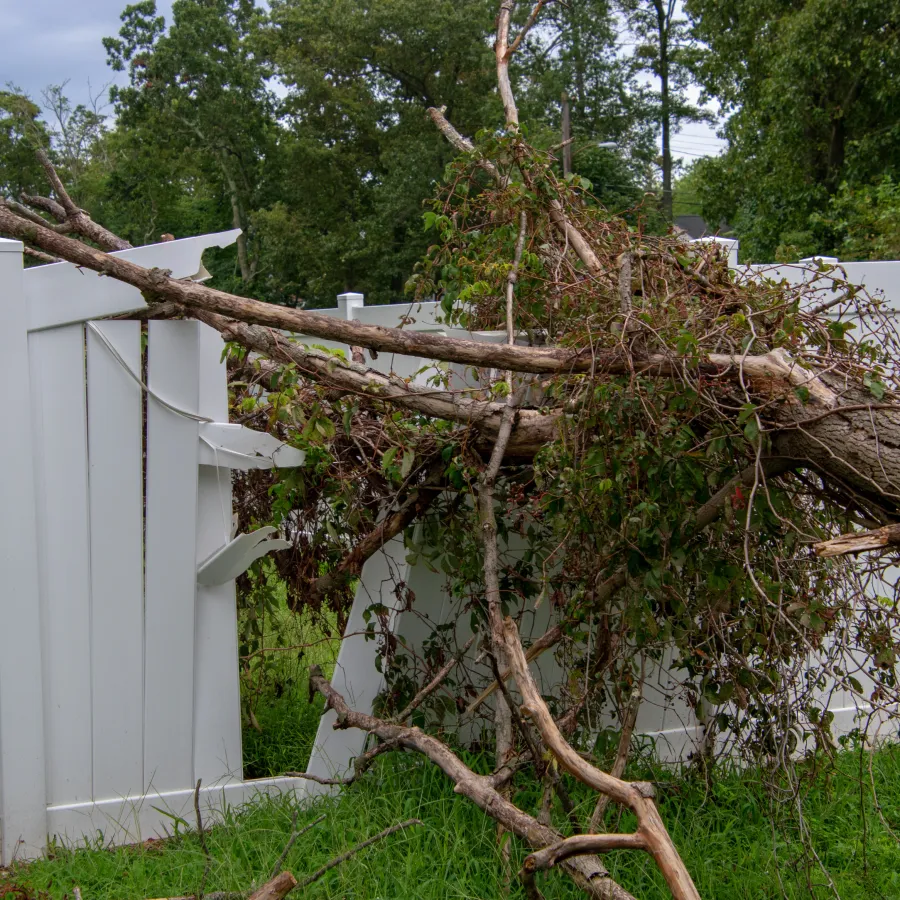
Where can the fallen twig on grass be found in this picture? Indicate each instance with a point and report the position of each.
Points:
(352, 852)
(293, 839)
(282, 883)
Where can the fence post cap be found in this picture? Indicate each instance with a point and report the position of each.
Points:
(10, 246)
(349, 301)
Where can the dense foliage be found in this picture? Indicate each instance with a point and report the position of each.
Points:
(813, 107)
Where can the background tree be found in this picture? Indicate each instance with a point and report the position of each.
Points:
(666, 48)
(576, 52)
(201, 89)
(812, 105)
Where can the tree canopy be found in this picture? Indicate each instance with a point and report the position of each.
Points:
(813, 113)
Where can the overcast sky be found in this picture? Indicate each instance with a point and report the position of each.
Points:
(48, 41)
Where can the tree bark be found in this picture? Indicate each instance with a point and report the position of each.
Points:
(859, 542)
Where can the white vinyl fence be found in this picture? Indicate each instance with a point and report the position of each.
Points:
(118, 650)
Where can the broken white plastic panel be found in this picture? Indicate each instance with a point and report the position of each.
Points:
(236, 556)
(236, 447)
(62, 293)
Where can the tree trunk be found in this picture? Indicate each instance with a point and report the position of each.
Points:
(566, 136)
(664, 109)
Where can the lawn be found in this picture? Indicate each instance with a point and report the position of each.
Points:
(735, 840)
(738, 839)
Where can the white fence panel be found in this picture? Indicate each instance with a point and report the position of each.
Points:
(171, 579)
(118, 675)
(217, 729)
(117, 557)
(57, 371)
(23, 794)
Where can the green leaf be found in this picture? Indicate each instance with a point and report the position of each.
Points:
(876, 388)
(409, 457)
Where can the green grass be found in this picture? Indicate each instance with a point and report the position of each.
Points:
(737, 842)
(276, 688)
(729, 836)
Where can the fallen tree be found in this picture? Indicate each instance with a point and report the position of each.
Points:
(666, 439)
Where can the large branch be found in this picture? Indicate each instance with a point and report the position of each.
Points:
(157, 284)
(69, 213)
(859, 446)
(636, 796)
(532, 431)
(587, 872)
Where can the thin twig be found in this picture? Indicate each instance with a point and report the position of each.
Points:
(435, 682)
(367, 843)
(295, 835)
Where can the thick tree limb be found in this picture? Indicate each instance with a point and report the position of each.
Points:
(587, 872)
(74, 215)
(861, 448)
(583, 843)
(859, 542)
(636, 796)
(532, 431)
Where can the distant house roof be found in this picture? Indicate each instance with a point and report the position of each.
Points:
(695, 226)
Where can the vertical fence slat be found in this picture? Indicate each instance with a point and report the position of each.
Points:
(23, 796)
(217, 721)
(117, 583)
(60, 426)
(171, 562)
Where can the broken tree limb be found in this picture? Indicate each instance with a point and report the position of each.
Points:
(636, 796)
(859, 542)
(276, 889)
(586, 872)
(580, 844)
(533, 429)
(68, 213)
